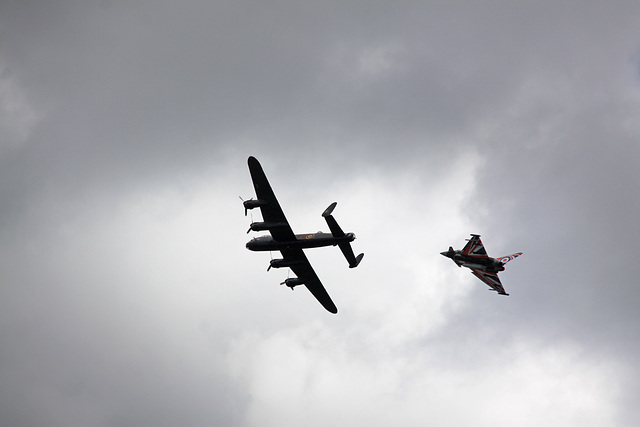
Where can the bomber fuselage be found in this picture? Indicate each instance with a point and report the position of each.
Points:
(302, 241)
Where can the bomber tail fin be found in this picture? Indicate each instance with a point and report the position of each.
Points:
(346, 249)
(331, 221)
(348, 254)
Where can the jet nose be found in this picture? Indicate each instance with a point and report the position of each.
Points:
(445, 254)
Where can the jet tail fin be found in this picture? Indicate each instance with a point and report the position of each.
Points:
(505, 259)
(346, 249)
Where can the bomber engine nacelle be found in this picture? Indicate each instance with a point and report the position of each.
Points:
(293, 282)
(252, 204)
(279, 263)
(261, 226)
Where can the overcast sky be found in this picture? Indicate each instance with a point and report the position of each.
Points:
(127, 296)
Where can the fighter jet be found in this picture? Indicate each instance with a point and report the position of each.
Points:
(291, 245)
(485, 268)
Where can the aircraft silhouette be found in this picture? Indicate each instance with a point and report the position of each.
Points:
(291, 245)
(474, 256)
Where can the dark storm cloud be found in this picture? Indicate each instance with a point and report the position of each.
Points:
(146, 85)
(130, 90)
(565, 182)
(570, 206)
(560, 177)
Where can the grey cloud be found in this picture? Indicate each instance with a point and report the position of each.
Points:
(128, 296)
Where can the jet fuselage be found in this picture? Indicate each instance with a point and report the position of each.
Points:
(488, 264)
(303, 241)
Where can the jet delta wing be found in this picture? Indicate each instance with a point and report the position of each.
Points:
(490, 279)
(290, 245)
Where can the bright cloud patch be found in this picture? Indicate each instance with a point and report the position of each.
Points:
(378, 60)
(303, 376)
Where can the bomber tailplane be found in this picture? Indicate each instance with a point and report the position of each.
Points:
(345, 247)
(331, 221)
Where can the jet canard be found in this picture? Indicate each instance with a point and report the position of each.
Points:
(291, 245)
(474, 256)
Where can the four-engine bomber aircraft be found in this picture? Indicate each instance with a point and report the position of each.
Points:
(475, 257)
(290, 245)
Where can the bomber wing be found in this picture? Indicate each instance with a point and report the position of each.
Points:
(302, 268)
(271, 210)
(490, 279)
(474, 247)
